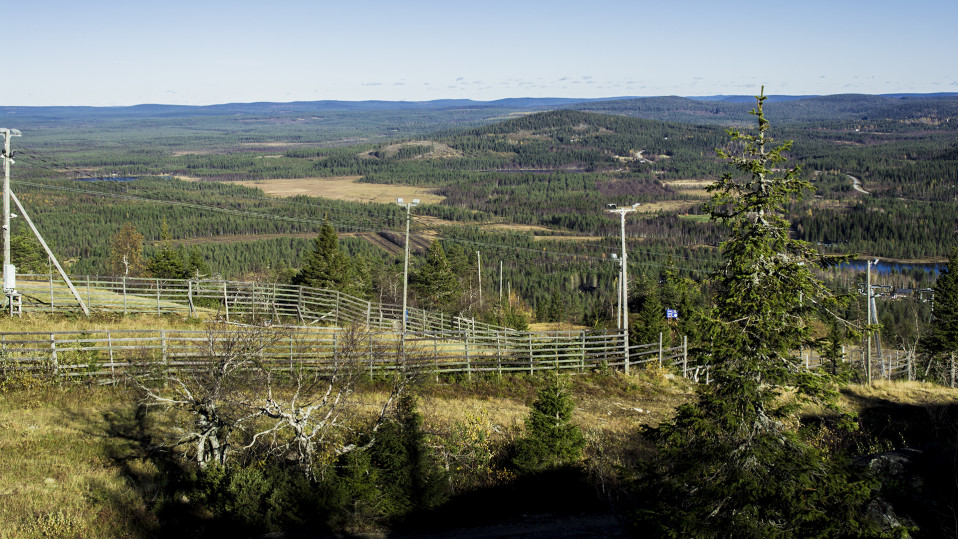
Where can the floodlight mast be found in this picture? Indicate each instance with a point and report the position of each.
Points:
(624, 293)
(405, 271)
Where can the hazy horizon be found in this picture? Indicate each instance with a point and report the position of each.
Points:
(111, 53)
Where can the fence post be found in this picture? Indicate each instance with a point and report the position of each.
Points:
(582, 357)
(124, 295)
(369, 347)
(53, 353)
(109, 345)
(685, 356)
(555, 348)
(51, 292)
(531, 370)
(660, 349)
(189, 297)
(468, 365)
(166, 358)
(625, 349)
(299, 304)
(88, 291)
(226, 302)
(158, 297)
(290, 352)
(498, 354)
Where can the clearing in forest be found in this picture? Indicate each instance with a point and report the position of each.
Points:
(346, 188)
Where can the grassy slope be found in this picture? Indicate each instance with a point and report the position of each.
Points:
(67, 470)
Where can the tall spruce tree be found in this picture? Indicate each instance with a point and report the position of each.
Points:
(942, 341)
(733, 462)
(327, 266)
(166, 263)
(436, 284)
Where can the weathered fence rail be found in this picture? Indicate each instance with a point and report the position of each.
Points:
(226, 299)
(111, 354)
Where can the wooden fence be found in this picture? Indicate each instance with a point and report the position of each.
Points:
(898, 364)
(230, 300)
(111, 354)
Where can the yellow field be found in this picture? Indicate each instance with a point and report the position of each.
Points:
(343, 188)
(690, 187)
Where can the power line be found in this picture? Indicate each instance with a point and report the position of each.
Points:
(60, 168)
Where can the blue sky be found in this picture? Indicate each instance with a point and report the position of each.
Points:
(106, 53)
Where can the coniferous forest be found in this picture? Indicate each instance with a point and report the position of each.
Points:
(755, 236)
(523, 182)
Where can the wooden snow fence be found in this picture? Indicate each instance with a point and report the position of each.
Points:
(110, 355)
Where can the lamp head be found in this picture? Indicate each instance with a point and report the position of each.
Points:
(415, 201)
(399, 201)
(610, 206)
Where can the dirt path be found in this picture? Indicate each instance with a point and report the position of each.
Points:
(857, 184)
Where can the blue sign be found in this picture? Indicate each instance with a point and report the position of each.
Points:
(672, 314)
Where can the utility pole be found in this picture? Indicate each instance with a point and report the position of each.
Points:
(618, 292)
(9, 285)
(868, 323)
(405, 271)
(479, 266)
(500, 283)
(9, 272)
(612, 208)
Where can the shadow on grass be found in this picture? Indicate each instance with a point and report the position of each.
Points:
(168, 489)
(556, 503)
(922, 442)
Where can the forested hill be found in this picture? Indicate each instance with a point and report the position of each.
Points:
(715, 109)
(511, 168)
(827, 109)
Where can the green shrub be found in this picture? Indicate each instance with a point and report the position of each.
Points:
(551, 438)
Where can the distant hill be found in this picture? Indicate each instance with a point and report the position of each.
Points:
(718, 109)
(727, 110)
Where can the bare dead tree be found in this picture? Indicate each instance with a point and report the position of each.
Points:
(210, 390)
(312, 415)
(299, 410)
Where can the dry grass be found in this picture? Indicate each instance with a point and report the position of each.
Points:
(64, 472)
(343, 188)
(437, 150)
(901, 392)
(57, 469)
(667, 206)
(53, 323)
(569, 238)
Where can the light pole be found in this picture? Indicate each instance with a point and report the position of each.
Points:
(624, 284)
(618, 292)
(405, 271)
(612, 208)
